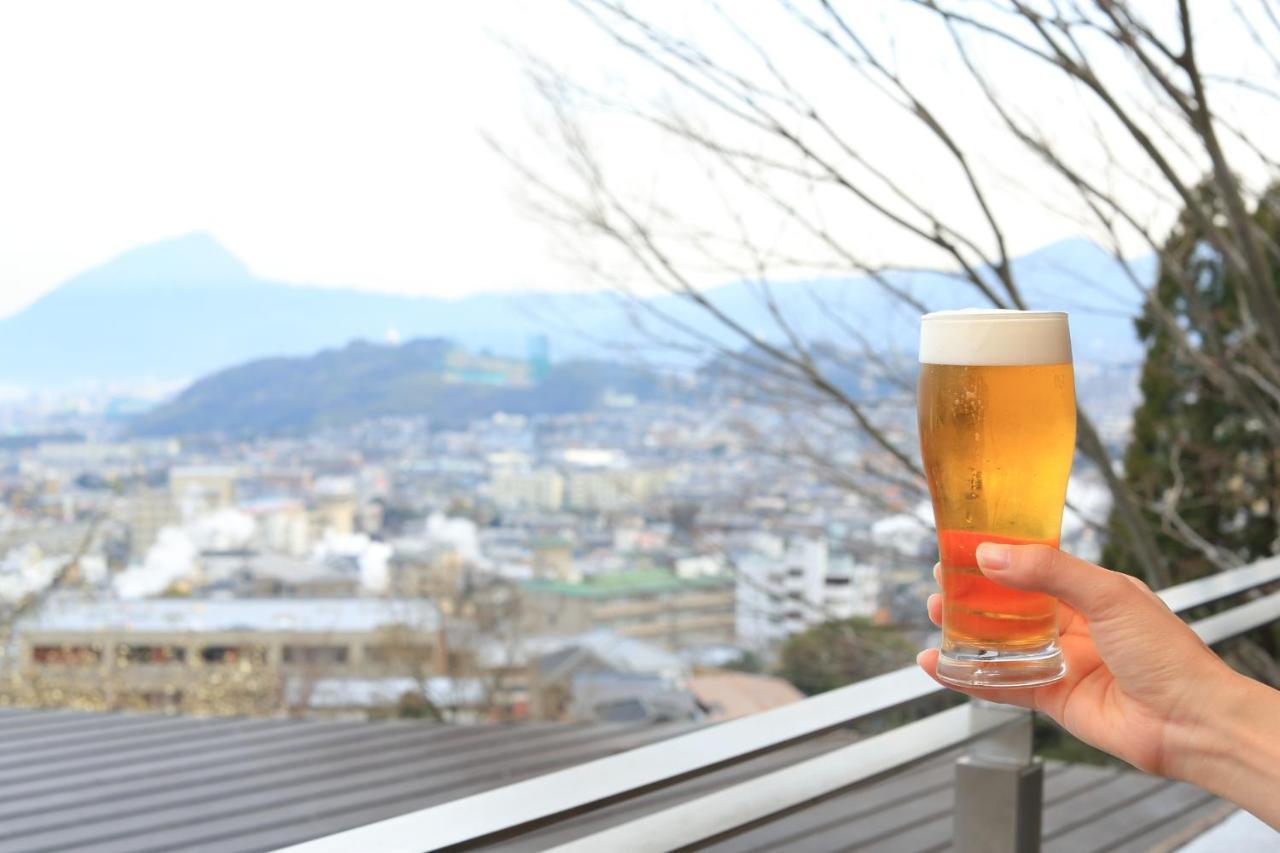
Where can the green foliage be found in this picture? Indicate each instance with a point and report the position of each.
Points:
(841, 652)
(1194, 447)
(415, 706)
(748, 662)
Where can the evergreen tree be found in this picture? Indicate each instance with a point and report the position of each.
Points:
(839, 652)
(1199, 460)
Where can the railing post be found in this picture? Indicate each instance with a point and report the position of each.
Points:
(999, 786)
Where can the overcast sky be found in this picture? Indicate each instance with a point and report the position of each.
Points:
(327, 143)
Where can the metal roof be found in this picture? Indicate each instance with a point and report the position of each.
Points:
(135, 782)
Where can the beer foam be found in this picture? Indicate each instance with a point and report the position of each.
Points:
(995, 337)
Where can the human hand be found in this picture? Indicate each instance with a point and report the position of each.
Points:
(1138, 679)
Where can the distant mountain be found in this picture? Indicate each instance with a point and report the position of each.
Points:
(363, 380)
(184, 307)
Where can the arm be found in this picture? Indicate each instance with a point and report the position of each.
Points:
(1234, 752)
(1140, 684)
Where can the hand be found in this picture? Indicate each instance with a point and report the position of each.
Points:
(1137, 677)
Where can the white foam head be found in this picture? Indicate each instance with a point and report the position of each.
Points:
(991, 337)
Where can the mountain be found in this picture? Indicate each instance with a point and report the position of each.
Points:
(185, 307)
(364, 380)
(1073, 275)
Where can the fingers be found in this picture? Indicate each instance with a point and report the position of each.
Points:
(1092, 590)
(1066, 613)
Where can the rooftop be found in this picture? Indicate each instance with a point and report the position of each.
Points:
(167, 615)
(623, 584)
(133, 782)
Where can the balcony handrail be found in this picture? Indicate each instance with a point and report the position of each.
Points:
(740, 807)
(1222, 585)
(765, 798)
(503, 812)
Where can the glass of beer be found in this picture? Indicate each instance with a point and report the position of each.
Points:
(997, 409)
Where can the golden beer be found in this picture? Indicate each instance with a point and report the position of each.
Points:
(997, 414)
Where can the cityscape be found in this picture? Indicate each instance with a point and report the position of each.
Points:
(613, 563)
(615, 426)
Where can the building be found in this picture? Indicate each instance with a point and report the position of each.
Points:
(539, 357)
(149, 653)
(649, 604)
(193, 783)
(201, 489)
(604, 676)
(853, 589)
(283, 525)
(146, 513)
(250, 574)
(785, 586)
(455, 700)
(462, 367)
(426, 570)
(542, 490)
(334, 512)
(553, 558)
(614, 490)
(729, 695)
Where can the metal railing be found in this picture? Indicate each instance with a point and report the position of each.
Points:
(998, 803)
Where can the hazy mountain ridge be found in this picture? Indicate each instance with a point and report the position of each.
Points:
(185, 307)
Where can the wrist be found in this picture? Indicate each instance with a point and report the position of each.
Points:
(1224, 745)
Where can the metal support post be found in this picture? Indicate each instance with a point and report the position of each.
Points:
(999, 786)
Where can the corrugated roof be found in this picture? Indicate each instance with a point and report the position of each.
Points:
(126, 782)
(136, 783)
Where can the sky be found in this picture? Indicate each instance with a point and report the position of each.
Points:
(325, 143)
(320, 142)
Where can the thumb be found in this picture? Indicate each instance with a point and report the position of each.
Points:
(1091, 590)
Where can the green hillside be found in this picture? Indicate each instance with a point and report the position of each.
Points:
(362, 380)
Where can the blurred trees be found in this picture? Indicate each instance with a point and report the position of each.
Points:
(1113, 119)
(1203, 458)
(833, 654)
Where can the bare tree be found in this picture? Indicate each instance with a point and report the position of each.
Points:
(770, 108)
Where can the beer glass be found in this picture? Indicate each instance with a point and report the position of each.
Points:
(997, 411)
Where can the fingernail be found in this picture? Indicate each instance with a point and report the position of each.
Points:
(993, 556)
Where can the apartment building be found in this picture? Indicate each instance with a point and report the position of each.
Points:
(148, 652)
(645, 604)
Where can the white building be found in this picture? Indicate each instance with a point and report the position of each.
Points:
(613, 490)
(852, 588)
(786, 586)
(541, 490)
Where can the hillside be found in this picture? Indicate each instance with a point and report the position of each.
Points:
(185, 307)
(363, 380)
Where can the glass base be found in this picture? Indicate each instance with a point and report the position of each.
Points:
(975, 667)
